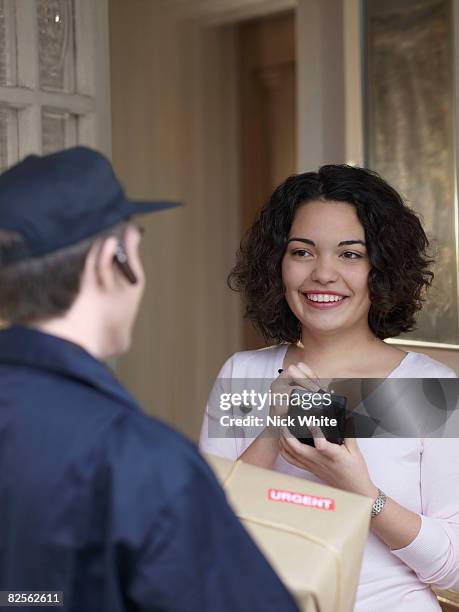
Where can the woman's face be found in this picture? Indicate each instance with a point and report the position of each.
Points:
(326, 260)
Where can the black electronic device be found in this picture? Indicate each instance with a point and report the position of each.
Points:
(121, 260)
(323, 409)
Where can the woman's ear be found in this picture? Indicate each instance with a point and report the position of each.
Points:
(105, 272)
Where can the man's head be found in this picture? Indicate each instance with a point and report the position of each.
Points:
(69, 254)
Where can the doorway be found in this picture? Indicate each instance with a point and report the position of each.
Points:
(268, 123)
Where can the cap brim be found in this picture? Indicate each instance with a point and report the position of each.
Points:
(142, 207)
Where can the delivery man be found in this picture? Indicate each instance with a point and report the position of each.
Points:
(101, 507)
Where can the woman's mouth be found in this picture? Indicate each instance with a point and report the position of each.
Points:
(324, 300)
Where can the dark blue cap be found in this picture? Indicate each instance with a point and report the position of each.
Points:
(56, 200)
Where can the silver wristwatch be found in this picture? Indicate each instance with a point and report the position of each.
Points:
(378, 504)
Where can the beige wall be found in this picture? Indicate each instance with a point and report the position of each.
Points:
(189, 322)
(320, 78)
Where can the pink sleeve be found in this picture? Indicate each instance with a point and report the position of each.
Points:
(434, 554)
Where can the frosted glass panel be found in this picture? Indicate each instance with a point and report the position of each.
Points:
(3, 45)
(8, 136)
(54, 127)
(55, 28)
(410, 127)
(7, 32)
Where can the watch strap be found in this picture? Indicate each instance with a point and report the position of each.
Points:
(378, 504)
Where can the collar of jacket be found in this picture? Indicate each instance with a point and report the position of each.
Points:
(28, 347)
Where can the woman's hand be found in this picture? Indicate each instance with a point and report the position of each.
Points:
(341, 466)
(299, 375)
(264, 450)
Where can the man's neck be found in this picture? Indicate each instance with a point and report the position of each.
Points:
(72, 330)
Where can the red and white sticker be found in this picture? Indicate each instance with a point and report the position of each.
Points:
(301, 499)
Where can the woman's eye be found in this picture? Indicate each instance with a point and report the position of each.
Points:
(351, 255)
(301, 253)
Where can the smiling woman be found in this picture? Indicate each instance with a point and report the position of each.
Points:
(323, 274)
(335, 263)
(346, 200)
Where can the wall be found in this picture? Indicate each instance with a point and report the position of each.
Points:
(163, 76)
(320, 77)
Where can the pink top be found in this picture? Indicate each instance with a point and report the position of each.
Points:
(420, 474)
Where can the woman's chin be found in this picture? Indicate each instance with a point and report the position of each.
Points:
(324, 330)
(325, 323)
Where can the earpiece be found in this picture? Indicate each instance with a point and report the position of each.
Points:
(121, 260)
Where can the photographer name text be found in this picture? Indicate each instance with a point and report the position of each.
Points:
(277, 421)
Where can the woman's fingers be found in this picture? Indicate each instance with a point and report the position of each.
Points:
(323, 449)
(309, 373)
(351, 445)
(295, 448)
(300, 376)
(286, 451)
(283, 452)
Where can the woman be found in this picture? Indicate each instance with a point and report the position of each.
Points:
(335, 263)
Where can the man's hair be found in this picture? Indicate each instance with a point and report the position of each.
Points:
(396, 242)
(43, 287)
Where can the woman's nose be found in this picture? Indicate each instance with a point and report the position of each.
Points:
(324, 270)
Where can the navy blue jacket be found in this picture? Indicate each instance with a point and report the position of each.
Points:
(107, 505)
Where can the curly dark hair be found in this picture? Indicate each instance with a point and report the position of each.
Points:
(397, 246)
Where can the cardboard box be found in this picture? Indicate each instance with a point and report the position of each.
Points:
(312, 535)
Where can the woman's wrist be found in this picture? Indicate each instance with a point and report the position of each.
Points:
(378, 504)
(370, 490)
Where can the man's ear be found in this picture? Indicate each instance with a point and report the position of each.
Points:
(100, 260)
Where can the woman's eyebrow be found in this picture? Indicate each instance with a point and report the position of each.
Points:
(305, 240)
(346, 242)
(312, 243)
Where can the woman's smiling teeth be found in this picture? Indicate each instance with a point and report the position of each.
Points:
(324, 297)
